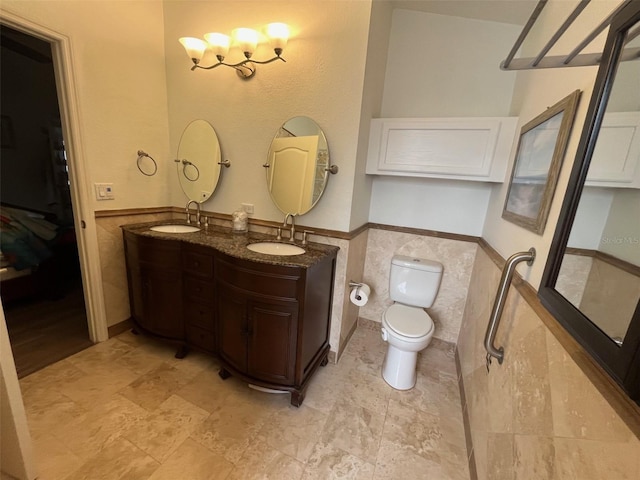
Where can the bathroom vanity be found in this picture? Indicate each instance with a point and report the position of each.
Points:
(266, 317)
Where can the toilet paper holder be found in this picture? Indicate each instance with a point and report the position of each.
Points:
(357, 286)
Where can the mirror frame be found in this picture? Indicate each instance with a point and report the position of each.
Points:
(621, 362)
(327, 169)
(182, 163)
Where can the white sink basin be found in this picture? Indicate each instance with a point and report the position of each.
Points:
(175, 228)
(273, 248)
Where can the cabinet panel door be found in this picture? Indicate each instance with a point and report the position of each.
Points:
(232, 328)
(162, 293)
(272, 341)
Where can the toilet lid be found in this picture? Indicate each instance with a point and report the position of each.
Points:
(408, 321)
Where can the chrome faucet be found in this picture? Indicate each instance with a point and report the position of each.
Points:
(197, 212)
(293, 225)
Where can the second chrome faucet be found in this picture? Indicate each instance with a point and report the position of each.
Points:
(292, 233)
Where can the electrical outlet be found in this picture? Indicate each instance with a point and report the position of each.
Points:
(247, 207)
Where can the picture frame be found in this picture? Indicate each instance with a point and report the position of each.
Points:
(541, 149)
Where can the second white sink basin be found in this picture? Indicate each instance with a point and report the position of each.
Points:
(175, 228)
(274, 248)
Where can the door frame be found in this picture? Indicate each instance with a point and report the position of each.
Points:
(83, 215)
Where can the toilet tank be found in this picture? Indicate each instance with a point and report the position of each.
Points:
(414, 281)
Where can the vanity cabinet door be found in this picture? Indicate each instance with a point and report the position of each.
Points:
(257, 337)
(231, 313)
(272, 341)
(162, 303)
(155, 285)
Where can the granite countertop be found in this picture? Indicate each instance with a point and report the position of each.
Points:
(235, 244)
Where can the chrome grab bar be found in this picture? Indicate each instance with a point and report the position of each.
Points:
(498, 305)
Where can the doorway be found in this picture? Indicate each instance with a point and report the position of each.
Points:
(41, 284)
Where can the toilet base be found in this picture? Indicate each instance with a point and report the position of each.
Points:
(399, 368)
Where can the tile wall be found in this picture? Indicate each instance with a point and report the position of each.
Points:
(536, 416)
(456, 256)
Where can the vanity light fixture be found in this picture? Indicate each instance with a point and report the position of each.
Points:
(246, 39)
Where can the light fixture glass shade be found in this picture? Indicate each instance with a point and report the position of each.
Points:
(194, 46)
(278, 34)
(219, 43)
(246, 39)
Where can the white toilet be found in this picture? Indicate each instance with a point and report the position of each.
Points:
(413, 286)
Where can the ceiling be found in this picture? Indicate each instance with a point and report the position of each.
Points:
(504, 11)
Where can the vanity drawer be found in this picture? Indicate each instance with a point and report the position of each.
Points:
(198, 289)
(200, 315)
(201, 338)
(197, 264)
(273, 284)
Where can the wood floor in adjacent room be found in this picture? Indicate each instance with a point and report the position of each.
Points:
(45, 331)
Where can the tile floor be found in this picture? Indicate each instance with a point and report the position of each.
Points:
(126, 409)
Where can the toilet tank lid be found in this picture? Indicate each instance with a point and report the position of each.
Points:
(417, 263)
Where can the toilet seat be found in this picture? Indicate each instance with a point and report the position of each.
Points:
(411, 322)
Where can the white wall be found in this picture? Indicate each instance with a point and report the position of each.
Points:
(378, 44)
(322, 78)
(621, 234)
(118, 61)
(440, 66)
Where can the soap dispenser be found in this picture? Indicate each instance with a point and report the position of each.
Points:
(240, 221)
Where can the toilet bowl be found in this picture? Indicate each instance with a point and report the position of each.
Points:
(407, 330)
(406, 326)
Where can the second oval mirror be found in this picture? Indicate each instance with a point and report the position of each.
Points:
(297, 166)
(198, 162)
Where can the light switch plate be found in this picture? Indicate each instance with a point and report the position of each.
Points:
(104, 191)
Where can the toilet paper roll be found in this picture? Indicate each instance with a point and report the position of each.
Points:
(360, 295)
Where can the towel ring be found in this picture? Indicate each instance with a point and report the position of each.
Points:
(141, 154)
(184, 170)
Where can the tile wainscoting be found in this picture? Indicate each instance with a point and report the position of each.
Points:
(538, 415)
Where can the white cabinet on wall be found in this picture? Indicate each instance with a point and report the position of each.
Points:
(476, 149)
(616, 157)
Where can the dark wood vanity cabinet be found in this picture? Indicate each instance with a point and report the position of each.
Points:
(273, 321)
(155, 285)
(267, 322)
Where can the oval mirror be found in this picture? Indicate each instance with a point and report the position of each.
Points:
(198, 161)
(297, 166)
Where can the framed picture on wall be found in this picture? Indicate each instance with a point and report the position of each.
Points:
(541, 148)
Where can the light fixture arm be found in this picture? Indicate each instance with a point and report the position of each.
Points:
(245, 69)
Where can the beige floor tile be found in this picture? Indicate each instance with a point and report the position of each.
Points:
(192, 461)
(50, 412)
(53, 459)
(325, 388)
(155, 386)
(399, 463)
(230, 429)
(328, 462)
(294, 430)
(162, 431)
(128, 409)
(93, 389)
(354, 429)
(87, 434)
(119, 459)
(262, 462)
